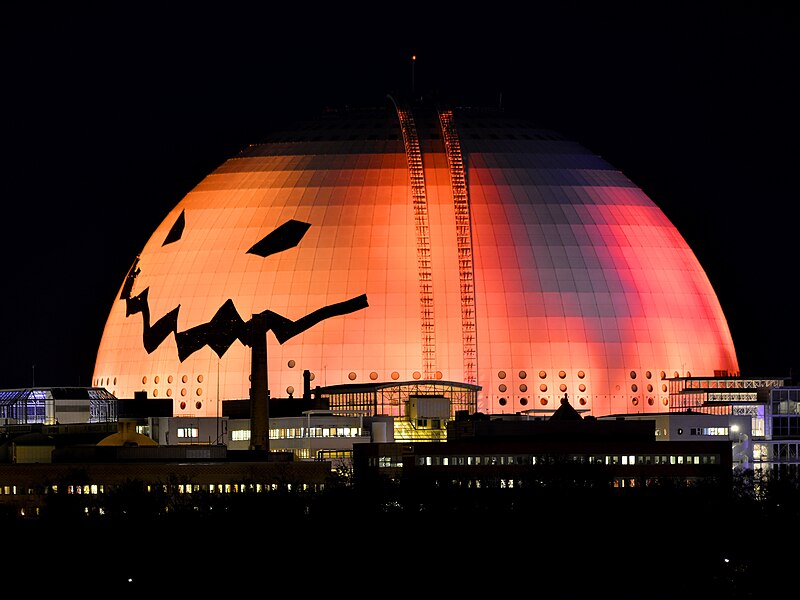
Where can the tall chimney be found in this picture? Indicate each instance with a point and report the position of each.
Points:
(259, 389)
(306, 385)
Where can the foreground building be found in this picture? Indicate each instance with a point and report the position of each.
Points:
(93, 476)
(524, 451)
(565, 452)
(481, 452)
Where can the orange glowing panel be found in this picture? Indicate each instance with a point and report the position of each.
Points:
(466, 247)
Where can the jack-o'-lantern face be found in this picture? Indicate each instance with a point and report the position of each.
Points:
(227, 326)
(489, 248)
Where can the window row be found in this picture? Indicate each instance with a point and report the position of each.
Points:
(531, 459)
(97, 489)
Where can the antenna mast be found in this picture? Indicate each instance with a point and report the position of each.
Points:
(413, 62)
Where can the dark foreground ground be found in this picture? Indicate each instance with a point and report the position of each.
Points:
(633, 550)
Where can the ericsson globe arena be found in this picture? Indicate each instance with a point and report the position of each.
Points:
(413, 244)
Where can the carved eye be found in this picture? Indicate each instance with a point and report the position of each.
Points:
(176, 231)
(282, 238)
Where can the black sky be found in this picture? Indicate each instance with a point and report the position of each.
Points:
(112, 115)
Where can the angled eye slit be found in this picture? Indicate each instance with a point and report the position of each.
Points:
(129, 279)
(284, 237)
(177, 229)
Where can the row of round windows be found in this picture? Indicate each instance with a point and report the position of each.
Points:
(170, 379)
(582, 374)
(650, 401)
(582, 401)
(156, 380)
(542, 374)
(543, 401)
(183, 392)
(352, 376)
(502, 388)
(523, 387)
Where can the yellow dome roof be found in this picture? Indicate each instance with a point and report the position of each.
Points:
(127, 436)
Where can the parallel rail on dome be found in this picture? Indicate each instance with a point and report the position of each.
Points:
(458, 183)
(420, 201)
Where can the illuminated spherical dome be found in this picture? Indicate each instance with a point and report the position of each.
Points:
(402, 245)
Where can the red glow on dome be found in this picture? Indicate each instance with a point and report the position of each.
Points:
(549, 262)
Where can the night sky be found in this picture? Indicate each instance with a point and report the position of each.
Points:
(112, 116)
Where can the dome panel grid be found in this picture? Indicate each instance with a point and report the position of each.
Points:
(574, 269)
